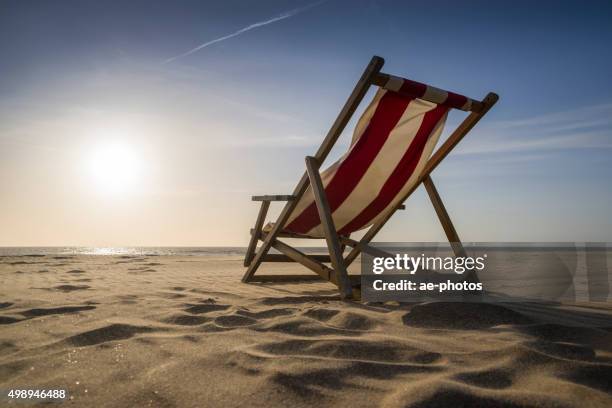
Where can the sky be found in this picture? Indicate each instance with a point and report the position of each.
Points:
(149, 123)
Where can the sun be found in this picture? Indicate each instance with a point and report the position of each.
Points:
(115, 167)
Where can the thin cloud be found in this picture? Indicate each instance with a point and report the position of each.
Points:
(282, 16)
(582, 128)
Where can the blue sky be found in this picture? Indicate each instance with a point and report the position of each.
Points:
(237, 117)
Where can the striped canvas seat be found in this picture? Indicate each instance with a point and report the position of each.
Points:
(389, 157)
(391, 144)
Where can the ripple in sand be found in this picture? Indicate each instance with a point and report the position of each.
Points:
(592, 375)
(271, 301)
(7, 347)
(137, 271)
(353, 349)
(321, 314)
(563, 350)
(108, 333)
(186, 320)
(39, 312)
(462, 316)
(55, 310)
(267, 314)
(205, 308)
(345, 374)
(9, 320)
(234, 321)
(307, 327)
(71, 288)
(454, 396)
(493, 378)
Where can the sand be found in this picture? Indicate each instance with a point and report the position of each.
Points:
(169, 331)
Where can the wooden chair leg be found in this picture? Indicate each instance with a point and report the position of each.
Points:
(261, 217)
(447, 224)
(331, 235)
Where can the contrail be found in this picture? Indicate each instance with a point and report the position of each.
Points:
(282, 16)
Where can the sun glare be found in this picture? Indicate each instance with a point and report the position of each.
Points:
(115, 168)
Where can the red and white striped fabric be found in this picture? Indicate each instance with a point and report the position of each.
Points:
(391, 143)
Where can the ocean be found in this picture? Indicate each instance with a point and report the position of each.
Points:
(140, 251)
(137, 251)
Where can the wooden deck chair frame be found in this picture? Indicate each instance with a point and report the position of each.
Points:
(337, 274)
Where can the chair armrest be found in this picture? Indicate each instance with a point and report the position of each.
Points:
(273, 198)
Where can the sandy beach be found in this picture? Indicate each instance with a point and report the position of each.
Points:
(182, 331)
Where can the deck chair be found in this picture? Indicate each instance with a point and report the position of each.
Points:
(389, 157)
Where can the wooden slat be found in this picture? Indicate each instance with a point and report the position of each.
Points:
(334, 133)
(366, 248)
(287, 234)
(286, 278)
(322, 272)
(342, 244)
(458, 134)
(331, 236)
(261, 217)
(285, 258)
(445, 220)
(273, 198)
(382, 79)
(298, 256)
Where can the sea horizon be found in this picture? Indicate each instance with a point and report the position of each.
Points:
(122, 250)
(131, 250)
